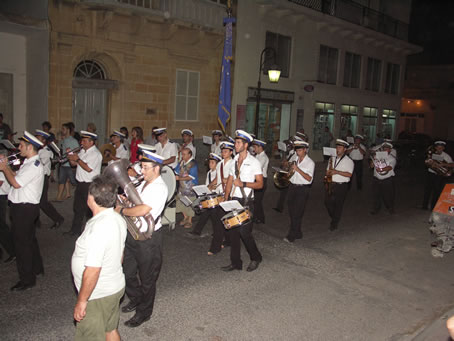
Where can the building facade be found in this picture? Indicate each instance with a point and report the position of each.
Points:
(135, 63)
(342, 67)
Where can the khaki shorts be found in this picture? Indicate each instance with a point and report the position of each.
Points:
(102, 316)
(182, 208)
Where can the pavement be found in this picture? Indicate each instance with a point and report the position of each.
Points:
(373, 279)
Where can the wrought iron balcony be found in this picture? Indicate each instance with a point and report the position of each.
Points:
(357, 14)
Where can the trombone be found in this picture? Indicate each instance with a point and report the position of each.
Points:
(64, 158)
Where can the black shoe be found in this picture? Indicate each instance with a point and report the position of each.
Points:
(131, 306)
(230, 267)
(19, 286)
(194, 234)
(253, 265)
(9, 259)
(277, 209)
(40, 273)
(333, 227)
(288, 240)
(57, 224)
(136, 321)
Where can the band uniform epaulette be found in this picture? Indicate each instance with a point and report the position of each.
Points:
(37, 163)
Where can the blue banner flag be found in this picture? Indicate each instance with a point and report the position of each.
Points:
(224, 108)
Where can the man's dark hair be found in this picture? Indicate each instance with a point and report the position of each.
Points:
(104, 190)
(68, 126)
(46, 124)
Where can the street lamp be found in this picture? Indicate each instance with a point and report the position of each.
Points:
(273, 74)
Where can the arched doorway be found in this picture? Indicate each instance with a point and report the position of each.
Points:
(90, 85)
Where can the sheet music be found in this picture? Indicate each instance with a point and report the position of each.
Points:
(7, 144)
(231, 205)
(207, 140)
(186, 201)
(281, 146)
(381, 155)
(328, 151)
(279, 170)
(201, 190)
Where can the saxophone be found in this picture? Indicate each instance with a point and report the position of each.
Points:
(328, 180)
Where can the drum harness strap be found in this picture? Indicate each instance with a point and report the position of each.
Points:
(246, 199)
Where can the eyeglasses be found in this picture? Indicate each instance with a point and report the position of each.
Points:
(147, 168)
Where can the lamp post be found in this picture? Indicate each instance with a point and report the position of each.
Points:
(273, 74)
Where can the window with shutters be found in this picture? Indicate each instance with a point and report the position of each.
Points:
(392, 78)
(373, 74)
(282, 45)
(327, 65)
(187, 95)
(352, 70)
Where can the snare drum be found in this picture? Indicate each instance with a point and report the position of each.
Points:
(236, 218)
(211, 200)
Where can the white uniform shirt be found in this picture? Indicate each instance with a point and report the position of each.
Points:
(355, 154)
(5, 187)
(390, 160)
(307, 166)
(216, 148)
(30, 177)
(167, 151)
(211, 175)
(122, 152)
(45, 155)
(226, 169)
(101, 245)
(93, 158)
(153, 195)
(342, 164)
(249, 169)
(263, 159)
(446, 157)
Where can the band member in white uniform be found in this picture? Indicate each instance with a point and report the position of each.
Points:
(88, 162)
(45, 155)
(435, 183)
(188, 136)
(143, 258)
(216, 146)
(121, 150)
(300, 184)
(383, 183)
(24, 196)
(168, 150)
(341, 172)
(260, 155)
(243, 179)
(6, 238)
(356, 151)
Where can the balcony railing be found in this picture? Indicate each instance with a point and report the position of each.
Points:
(208, 13)
(357, 14)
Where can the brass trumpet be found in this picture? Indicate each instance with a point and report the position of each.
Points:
(65, 157)
(12, 159)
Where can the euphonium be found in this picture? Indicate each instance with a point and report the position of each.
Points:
(117, 170)
(281, 179)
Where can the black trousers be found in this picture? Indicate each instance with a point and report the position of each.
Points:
(244, 234)
(28, 257)
(80, 207)
(358, 174)
(433, 187)
(281, 200)
(214, 214)
(141, 265)
(297, 198)
(258, 202)
(6, 238)
(383, 190)
(335, 202)
(46, 206)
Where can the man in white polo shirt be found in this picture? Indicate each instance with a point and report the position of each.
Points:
(356, 151)
(168, 150)
(121, 151)
(340, 169)
(96, 265)
(88, 162)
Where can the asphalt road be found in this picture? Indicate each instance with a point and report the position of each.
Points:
(374, 279)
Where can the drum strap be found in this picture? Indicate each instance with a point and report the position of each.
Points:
(222, 176)
(243, 194)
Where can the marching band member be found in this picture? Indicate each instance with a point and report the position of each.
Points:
(216, 146)
(88, 162)
(356, 151)
(168, 150)
(65, 171)
(25, 193)
(210, 213)
(6, 238)
(244, 178)
(435, 182)
(45, 155)
(340, 169)
(298, 192)
(121, 151)
(259, 149)
(383, 183)
(143, 258)
(187, 136)
(302, 136)
(187, 174)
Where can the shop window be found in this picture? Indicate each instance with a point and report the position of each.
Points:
(324, 117)
(370, 125)
(388, 123)
(349, 120)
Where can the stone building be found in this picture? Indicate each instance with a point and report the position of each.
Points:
(136, 63)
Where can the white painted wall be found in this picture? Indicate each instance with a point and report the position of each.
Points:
(13, 60)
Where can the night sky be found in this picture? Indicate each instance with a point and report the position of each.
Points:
(432, 27)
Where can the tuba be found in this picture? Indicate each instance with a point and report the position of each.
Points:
(117, 170)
